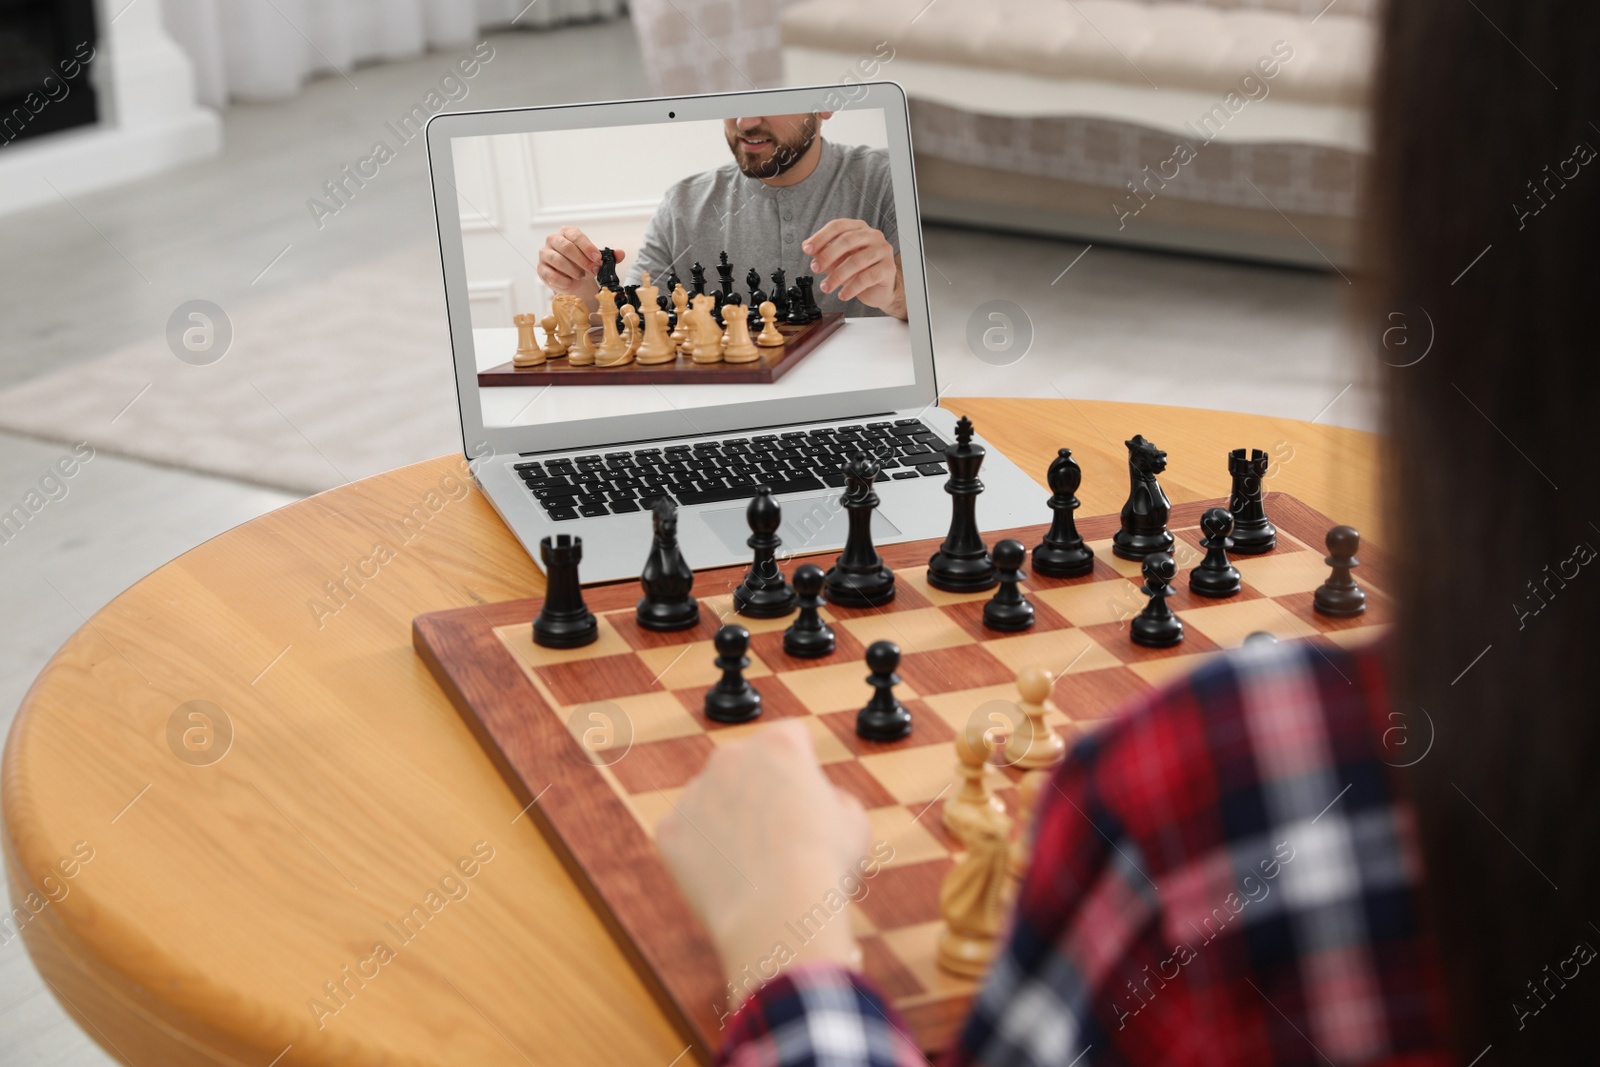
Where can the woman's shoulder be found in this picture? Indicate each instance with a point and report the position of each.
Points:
(1253, 744)
(1269, 701)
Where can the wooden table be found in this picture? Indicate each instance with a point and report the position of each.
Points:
(223, 897)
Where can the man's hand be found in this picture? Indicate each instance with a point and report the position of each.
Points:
(568, 262)
(858, 263)
(757, 840)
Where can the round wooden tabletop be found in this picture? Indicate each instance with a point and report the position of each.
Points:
(242, 822)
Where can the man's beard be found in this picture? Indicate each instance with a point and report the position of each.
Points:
(785, 154)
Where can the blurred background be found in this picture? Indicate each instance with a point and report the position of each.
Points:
(220, 295)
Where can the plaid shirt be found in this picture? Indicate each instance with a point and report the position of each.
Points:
(1225, 875)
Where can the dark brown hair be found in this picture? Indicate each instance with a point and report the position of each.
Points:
(1484, 238)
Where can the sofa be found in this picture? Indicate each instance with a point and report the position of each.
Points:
(1211, 126)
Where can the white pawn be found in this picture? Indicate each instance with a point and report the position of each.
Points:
(657, 344)
(1033, 783)
(972, 797)
(707, 334)
(528, 354)
(769, 337)
(1037, 744)
(680, 305)
(973, 896)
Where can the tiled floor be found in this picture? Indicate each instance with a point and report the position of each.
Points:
(1105, 323)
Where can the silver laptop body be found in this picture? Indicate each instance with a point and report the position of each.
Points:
(517, 455)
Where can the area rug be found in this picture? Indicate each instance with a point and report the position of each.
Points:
(322, 384)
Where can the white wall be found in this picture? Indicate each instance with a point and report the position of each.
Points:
(516, 189)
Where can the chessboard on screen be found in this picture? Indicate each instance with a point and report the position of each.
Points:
(650, 334)
(937, 679)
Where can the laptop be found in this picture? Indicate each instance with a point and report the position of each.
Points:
(716, 194)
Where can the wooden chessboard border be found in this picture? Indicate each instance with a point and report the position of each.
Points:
(800, 342)
(589, 825)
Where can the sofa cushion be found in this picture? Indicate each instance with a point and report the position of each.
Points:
(1190, 46)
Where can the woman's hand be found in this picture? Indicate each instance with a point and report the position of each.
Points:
(756, 841)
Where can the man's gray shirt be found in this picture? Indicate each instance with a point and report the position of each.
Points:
(761, 226)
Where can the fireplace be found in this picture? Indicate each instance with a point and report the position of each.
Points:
(46, 48)
(112, 99)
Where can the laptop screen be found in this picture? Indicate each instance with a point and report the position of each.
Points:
(681, 266)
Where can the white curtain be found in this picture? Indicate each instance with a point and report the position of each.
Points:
(266, 49)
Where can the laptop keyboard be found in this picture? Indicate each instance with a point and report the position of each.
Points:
(614, 483)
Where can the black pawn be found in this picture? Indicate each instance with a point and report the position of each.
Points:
(564, 619)
(1008, 610)
(1215, 576)
(673, 281)
(796, 315)
(697, 280)
(1062, 553)
(780, 294)
(808, 298)
(765, 593)
(859, 578)
(808, 637)
(1253, 532)
(668, 603)
(962, 564)
(732, 699)
(1144, 516)
(718, 298)
(1340, 596)
(1260, 639)
(884, 718)
(758, 296)
(1156, 626)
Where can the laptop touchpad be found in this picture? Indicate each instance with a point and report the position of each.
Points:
(809, 523)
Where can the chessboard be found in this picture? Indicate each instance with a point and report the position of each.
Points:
(770, 365)
(598, 741)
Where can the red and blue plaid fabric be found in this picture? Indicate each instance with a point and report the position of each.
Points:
(1227, 875)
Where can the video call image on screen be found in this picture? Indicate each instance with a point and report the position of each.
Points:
(680, 262)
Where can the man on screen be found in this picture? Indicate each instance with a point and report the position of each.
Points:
(790, 199)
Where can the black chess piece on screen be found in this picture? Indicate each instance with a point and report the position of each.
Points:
(752, 282)
(668, 603)
(780, 294)
(606, 276)
(1062, 553)
(962, 563)
(697, 276)
(808, 297)
(884, 718)
(1144, 516)
(796, 315)
(564, 619)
